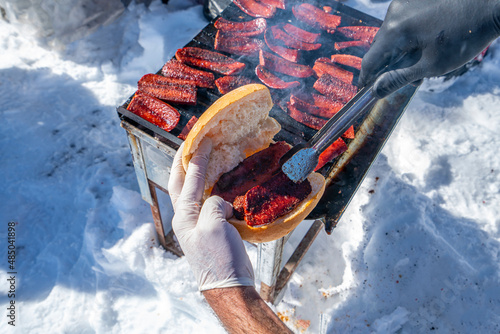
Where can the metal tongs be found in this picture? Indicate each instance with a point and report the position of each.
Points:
(302, 159)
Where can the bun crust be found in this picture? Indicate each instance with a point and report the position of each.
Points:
(239, 125)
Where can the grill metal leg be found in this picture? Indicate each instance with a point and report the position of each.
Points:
(268, 265)
(172, 244)
(269, 258)
(167, 240)
(155, 210)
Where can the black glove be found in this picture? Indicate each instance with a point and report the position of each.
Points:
(428, 38)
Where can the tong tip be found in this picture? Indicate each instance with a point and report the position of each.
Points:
(300, 165)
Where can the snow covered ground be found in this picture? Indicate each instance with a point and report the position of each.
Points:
(417, 250)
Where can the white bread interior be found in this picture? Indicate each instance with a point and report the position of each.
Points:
(238, 128)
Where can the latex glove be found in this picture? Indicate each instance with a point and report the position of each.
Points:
(433, 37)
(212, 246)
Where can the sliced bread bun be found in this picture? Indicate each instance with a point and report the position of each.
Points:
(239, 125)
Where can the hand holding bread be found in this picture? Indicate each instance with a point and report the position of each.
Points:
(211, 245)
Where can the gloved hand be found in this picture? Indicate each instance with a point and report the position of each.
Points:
(212, 246)
(428, 38)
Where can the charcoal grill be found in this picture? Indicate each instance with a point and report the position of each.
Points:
(153, 149)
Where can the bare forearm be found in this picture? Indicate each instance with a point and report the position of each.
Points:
(241, 310)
